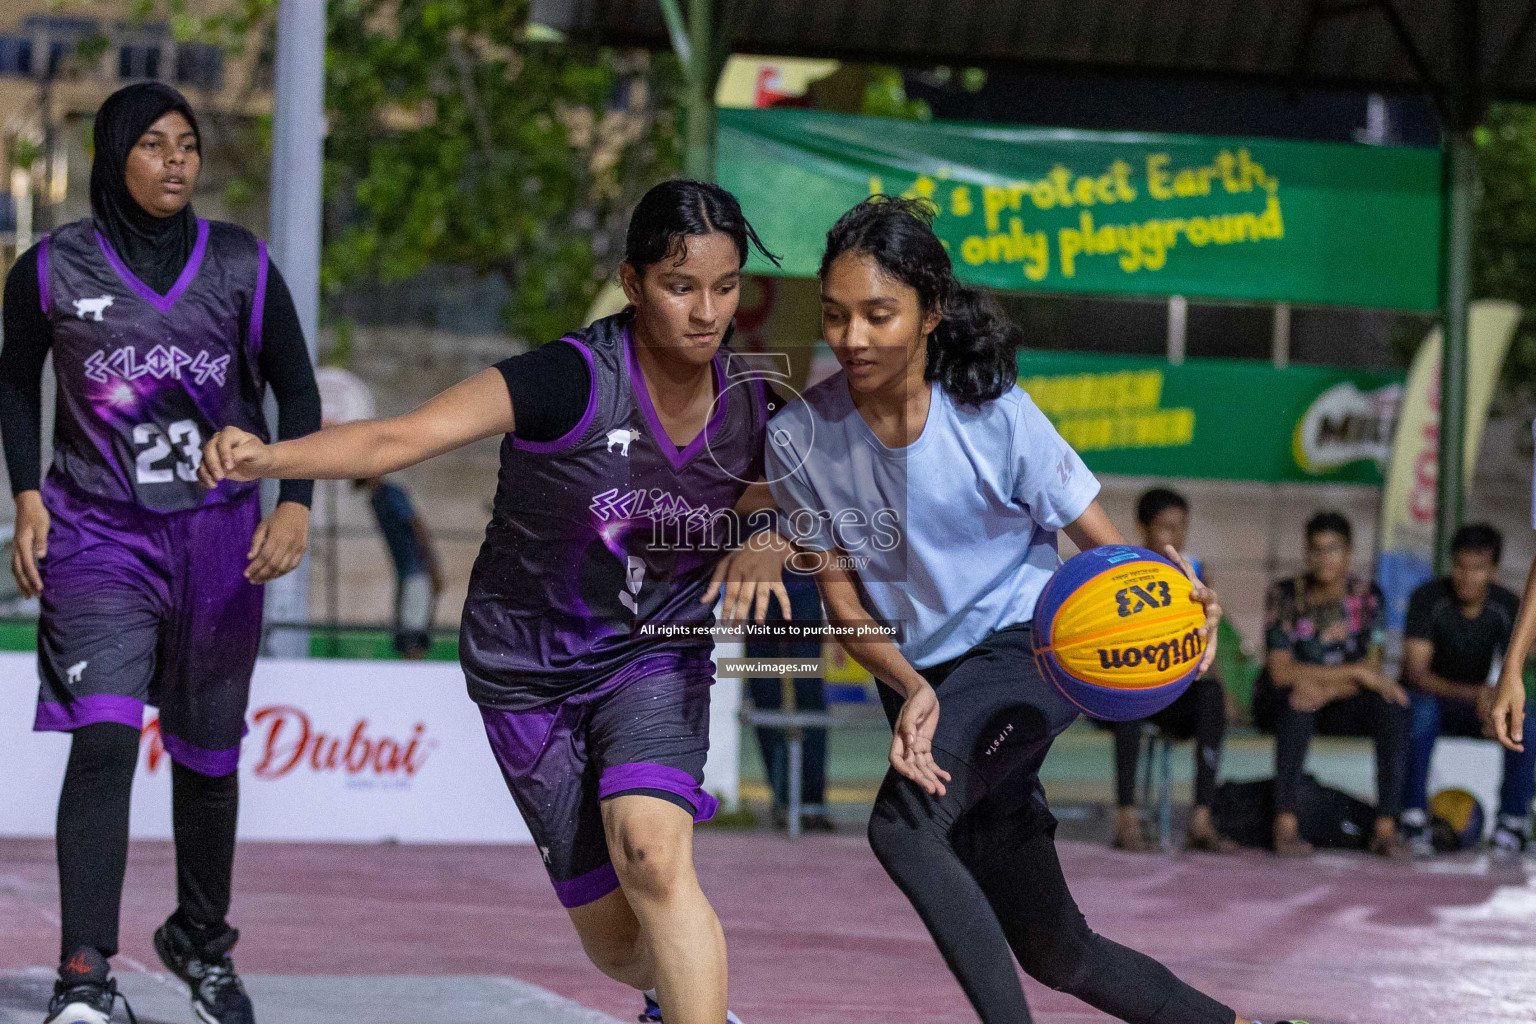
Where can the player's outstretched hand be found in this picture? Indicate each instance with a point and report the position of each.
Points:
(29, 544)
(233, 454)
(912, 742)
(1201, 594)
(279, 542)
(751, 576)
(1507, 716)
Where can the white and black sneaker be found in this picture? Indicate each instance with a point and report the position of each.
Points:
(1509, 836)
(218, 997)
(85, 991)
(1417, 833)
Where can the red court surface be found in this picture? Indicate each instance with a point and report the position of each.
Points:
(818, 935)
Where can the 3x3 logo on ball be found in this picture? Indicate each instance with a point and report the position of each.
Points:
(1137, 598)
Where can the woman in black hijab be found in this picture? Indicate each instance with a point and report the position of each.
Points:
(153, 237)
(164, 328)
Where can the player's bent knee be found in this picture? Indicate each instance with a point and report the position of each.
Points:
(653, 871)
(886, 834)
(653, 863)
(900, 839)
(1059, 961)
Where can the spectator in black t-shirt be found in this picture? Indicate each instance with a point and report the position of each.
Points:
(1457, 632)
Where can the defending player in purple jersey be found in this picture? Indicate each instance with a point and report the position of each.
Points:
(163, 328)
(619, 526)
(633, 450)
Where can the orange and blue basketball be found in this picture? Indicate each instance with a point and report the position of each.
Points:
(1116, 631)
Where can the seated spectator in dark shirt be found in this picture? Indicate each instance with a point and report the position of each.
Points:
(1200, 713)
(1324, 637)
(1457, 632)
(418, 576)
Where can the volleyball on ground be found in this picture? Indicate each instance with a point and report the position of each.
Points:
(1456, 820)
(1117, 632)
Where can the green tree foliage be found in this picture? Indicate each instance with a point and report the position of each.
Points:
(885, 95)
(1504, 251)
(453, 139)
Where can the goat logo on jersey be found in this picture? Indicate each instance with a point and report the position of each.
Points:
(95, 307)
(622, 438)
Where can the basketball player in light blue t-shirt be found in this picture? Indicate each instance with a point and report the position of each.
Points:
(925, 490)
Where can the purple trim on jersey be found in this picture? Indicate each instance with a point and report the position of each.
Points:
(587, 888)
(622, 778)
(44, 291)
(573, 435)
(161, 302)
(88, 710)
(643, 396)
(259, 300)
(213, 763)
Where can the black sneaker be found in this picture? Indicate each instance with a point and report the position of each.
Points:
(85, 991)
(218, 997)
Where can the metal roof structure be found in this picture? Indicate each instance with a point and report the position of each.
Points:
(1368, 45)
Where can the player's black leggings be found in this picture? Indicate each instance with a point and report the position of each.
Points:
(92, 840)
(979, 864)
(1201, 713)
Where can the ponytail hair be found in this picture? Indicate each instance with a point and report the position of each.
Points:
(673, 210)
(973, 352)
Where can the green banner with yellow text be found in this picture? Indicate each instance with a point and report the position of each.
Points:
(1107, 213)
(1220, 418)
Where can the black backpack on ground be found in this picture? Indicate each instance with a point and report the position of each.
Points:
(1329, 818)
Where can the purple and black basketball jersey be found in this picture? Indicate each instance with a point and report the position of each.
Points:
(144, 378)
(601, 536)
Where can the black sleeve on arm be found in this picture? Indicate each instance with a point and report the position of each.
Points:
(284, 364)
(28, 336)
(549, 388)
(1419, 624)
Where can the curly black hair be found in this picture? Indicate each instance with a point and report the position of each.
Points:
(973, 351)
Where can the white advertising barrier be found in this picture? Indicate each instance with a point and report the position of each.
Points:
(360, 751)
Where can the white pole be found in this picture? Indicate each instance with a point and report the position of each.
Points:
(21, 196)
(298, 134)
(1178, 319)
(1280, 336)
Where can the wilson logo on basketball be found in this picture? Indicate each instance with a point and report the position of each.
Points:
(289, 742)
(1161, 655)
